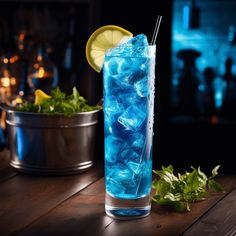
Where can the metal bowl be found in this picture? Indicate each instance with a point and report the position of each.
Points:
(51, 144)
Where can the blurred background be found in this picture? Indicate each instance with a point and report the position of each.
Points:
(42, 45)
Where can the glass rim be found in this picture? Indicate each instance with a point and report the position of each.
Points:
(123, 46)
(149, 51)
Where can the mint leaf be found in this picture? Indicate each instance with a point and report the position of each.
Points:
(173, 197)
(215, 171)
(213, 185)
(182, 190)
(60, 103)
(181, 206)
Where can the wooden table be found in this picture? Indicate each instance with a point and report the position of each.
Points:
(74, 205)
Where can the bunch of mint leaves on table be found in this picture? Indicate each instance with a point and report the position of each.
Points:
(60, 103)
(182, 190)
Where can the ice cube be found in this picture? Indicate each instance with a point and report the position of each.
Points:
(111, 65)
(114, 187)
(119, 80)
(132, 118)
(145, 179)
(136, 141)
(142, 87)
(120, 175)
(122, 81)
(139, 70)
(112, 106)
(131, 159)
(125, 96)
(134, 166)
(139, 40)
(134, 47)
(121, 172)
(125, 65)
(113, 127)
(110, 87)
(110, 127)
(131, 99)
(126, 68)
(128, 65)
(113, 147)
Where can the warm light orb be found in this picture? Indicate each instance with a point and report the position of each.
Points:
(5, 82)
(41, 72)
(13, 81)
(5, 60)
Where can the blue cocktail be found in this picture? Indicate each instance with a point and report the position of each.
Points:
(129, 74)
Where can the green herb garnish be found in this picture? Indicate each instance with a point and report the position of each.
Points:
(59, 103)
(181, 190)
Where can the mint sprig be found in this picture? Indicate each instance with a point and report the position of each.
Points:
(182, 190)
(60, 103)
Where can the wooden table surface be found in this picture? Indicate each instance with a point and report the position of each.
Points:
(74, 205)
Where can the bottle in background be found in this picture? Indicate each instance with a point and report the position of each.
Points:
(209, 106)
(8, 80)
(22, 62)
(190, 84)
(229, 103)
(68, 70)
(42, 72)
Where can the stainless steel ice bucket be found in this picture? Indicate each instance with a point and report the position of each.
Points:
(51, 144)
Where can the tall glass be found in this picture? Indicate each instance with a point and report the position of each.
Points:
(128, 119)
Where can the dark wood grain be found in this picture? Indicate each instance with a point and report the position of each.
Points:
(83, 214)
(33, 205)
(164, 221)
(220, 220)
(6, 171)
(24, 198)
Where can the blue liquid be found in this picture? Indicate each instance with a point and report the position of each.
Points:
(128, 115)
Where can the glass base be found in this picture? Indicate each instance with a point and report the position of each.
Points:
(127, 209)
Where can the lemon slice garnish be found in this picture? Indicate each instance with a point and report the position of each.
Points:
(104, 38)
(40, 96)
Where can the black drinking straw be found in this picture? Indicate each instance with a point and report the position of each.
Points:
(154, 37)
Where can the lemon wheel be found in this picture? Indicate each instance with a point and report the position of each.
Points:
(101, 40)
